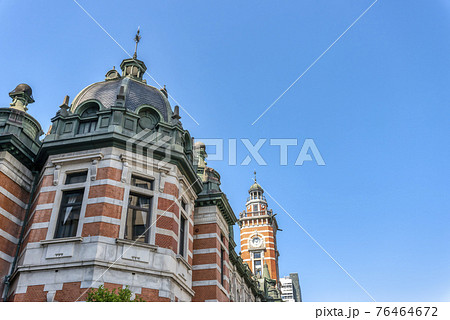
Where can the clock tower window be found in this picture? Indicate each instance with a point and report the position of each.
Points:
(257, 263)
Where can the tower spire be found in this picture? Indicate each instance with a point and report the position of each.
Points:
(254, 172)
(137, 38)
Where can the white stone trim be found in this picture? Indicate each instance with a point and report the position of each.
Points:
(11, 238)
(102, 219)
(209, 250)
(78, 157)
(210, 283)
(206, 266)
(166, 232)
(206, 236)
(205, 283)
(15, 170)
(101, 182)
(105, 200)
(16, 200)
(6, 257)
(44, 206)
(168, 214)
(39, 225)
(10, 217)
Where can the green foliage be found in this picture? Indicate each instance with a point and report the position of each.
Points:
(102, 294)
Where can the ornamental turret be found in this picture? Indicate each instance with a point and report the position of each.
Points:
(258, 234)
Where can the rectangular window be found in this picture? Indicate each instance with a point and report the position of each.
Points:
(69, 214)
(138, 218)
(87, 126)
(183, 205)
(76, 177)
(182, 240)
(257, 267)
(142, 183)
(255, 207)
(257, 263)
(222, 271)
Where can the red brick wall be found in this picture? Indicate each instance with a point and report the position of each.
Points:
(9, 226)
(109, 173)
(71, 291)
(210, 292)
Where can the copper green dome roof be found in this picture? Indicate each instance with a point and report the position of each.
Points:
(136, 93)
(255, 187)
(130, 88)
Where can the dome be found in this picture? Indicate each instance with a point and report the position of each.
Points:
(136, 93)
(199, 145)
(23, 88)
(255, 187)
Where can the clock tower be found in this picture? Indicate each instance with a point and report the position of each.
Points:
(258, 227)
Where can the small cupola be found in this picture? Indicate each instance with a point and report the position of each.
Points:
(133, 67)
(22, 95)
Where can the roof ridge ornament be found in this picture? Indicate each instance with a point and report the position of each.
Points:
(64, 108)
(137, 38)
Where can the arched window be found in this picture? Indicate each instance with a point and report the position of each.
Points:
(88, 122)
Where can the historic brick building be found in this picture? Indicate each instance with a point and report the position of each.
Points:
(116, 193)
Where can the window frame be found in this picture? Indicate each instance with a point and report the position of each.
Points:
(222, 266)
(75, 173)
(63, 206)
(63, 189)
(182, 237)
(146, 179)
(183, 209)
(91, 123)
(149, 211)
(88, 119)
(260, 259)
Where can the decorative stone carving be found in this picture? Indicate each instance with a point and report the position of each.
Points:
(93, 170)
(56, 175)
(124, 171)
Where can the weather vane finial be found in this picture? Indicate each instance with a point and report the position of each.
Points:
(137, 38)
(254, 172)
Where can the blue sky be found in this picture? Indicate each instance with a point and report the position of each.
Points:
(376, 106)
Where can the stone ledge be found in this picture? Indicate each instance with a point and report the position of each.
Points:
(61, 240)
(137, 244)
(183, 260)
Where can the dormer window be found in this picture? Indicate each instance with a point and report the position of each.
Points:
(88, 122)
(91, 111)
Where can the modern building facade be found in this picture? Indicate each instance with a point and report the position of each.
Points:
(117, 194)
(287, 289)
(290, 288)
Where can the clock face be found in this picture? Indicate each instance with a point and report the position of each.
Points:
(256, 241)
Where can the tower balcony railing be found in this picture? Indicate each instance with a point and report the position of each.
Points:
(253, 214)
(257, 198)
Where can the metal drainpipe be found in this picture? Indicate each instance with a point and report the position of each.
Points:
(25, 220)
